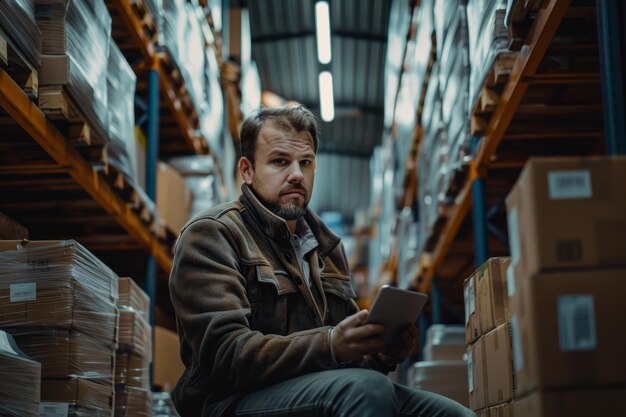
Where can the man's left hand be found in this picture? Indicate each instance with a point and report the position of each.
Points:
(395, 354)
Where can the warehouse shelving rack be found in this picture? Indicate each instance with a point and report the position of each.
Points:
(551, 104)
(62, 189)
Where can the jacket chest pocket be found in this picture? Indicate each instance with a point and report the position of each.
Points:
(269, 292)
(339, 296)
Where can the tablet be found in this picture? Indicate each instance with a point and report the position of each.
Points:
(397, 309)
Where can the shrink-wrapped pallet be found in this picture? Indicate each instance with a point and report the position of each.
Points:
(76, 38)
(488, 38)
(17, 20)
(121, 83)
(20, 384)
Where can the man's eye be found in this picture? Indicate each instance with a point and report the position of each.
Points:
(280, 161)
(306, 162)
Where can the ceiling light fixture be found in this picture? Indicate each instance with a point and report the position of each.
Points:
(322, 30)
(326, 96)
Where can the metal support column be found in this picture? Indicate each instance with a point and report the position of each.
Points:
(611, 40)
(479, 214)
(152, 152)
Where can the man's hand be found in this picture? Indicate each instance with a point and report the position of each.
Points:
(394, 354)
(352, 338)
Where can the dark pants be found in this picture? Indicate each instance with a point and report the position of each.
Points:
(347, 393)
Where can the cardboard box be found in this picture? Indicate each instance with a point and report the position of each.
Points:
(67, 353)
(167, 366)
(448, 378)
(567, 213)
(131, 295)
(482, 413)
(59, 260)
(476, 375)
(54, 304)
(568, 330)
(173, 197)
(573, 403)
(135, 334)
(133, 402)
(84, 396)
(499, 365)
(132, 369)
(502, 410)
(10, 229)
(486, 298)
(20, 384)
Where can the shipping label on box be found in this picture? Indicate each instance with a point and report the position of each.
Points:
(477, 377)
(568, 330)
(567, 213)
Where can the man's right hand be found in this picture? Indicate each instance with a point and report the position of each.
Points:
(352, 338)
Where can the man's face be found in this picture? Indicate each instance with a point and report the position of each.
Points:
(284, 170)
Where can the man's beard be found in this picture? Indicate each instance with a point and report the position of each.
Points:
(289, 211)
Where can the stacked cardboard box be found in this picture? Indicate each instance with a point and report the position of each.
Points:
(133, 357)
(173, 197)
(444, 369)
(567, 232)
(59, 303)
(491, 381)
(19, 390)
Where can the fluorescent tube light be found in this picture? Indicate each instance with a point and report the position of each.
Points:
(322, 30)
(327, 105)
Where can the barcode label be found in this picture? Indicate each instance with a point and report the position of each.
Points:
(470, 302)
(510, 281)
(516, 341)
(53, 409)
(577, 323)
(23, 292)
(470, 371)
(5, 345)
(514, 241)
(565, 185)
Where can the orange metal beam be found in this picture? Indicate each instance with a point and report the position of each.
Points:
(539, 38)
(34, 122)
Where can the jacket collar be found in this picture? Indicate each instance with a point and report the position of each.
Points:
(276, 228)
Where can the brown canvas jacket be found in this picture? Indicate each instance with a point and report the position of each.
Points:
(246, 316)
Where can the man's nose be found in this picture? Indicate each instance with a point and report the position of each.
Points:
(295, 173)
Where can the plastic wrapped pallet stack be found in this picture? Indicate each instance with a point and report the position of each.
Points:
(58, 301)
(19, 389)
(132, 383)
(567, 233)
(453, 55)
(444, 369)
(17, 20)
(121, 83)
(432, 156)
(69, 60)
(488, 38)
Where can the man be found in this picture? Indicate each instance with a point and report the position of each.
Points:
(264, 306)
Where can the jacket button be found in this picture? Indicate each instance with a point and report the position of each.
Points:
(298, 280)
(287, 256)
